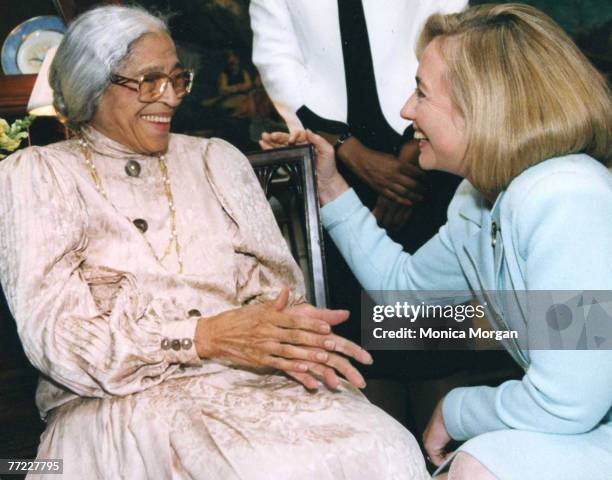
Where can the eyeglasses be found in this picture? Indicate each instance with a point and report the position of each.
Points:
(151, 86)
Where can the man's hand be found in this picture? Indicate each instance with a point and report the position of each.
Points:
(409, 160)
(384, 173)
(391, 215)
(436, 437)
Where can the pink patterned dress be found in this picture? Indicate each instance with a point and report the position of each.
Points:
(99, 315)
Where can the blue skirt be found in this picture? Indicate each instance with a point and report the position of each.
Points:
(523, 455)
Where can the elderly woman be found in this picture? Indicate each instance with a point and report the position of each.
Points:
(506, 100)
(145, 273)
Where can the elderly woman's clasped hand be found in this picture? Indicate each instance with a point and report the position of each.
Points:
(297, 340)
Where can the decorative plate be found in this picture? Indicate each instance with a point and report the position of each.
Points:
(25, 47)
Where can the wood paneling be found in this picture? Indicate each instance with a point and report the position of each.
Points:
(15, 92)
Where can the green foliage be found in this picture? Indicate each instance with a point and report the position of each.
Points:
(12, 135)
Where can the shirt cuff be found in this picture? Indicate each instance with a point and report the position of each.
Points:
(340, 209)
(451, 412)
(178, 342)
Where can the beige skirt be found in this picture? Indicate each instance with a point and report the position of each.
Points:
(228, 425)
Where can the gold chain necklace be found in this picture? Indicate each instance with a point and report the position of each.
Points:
(163, 168)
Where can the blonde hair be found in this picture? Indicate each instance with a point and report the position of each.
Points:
(524, 89)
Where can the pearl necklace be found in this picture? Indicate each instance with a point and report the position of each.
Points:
(163, 168)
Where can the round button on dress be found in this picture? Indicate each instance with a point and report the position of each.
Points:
(132, 168)
(141, 224)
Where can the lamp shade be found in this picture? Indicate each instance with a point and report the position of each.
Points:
(41, 99)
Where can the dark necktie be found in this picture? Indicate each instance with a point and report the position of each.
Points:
(365, 117)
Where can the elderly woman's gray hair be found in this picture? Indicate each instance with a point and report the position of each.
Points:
(94, 46)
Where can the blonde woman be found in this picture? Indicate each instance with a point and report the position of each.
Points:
(505, 100)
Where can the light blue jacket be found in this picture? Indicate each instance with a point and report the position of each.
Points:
(554, 233)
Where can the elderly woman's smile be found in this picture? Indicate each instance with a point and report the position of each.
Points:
(144, 126)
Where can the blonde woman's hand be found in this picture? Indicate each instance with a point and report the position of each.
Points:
(436, 437)
(329, 182)
(296, 340)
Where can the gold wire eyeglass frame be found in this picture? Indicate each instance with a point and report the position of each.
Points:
(158, 90)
